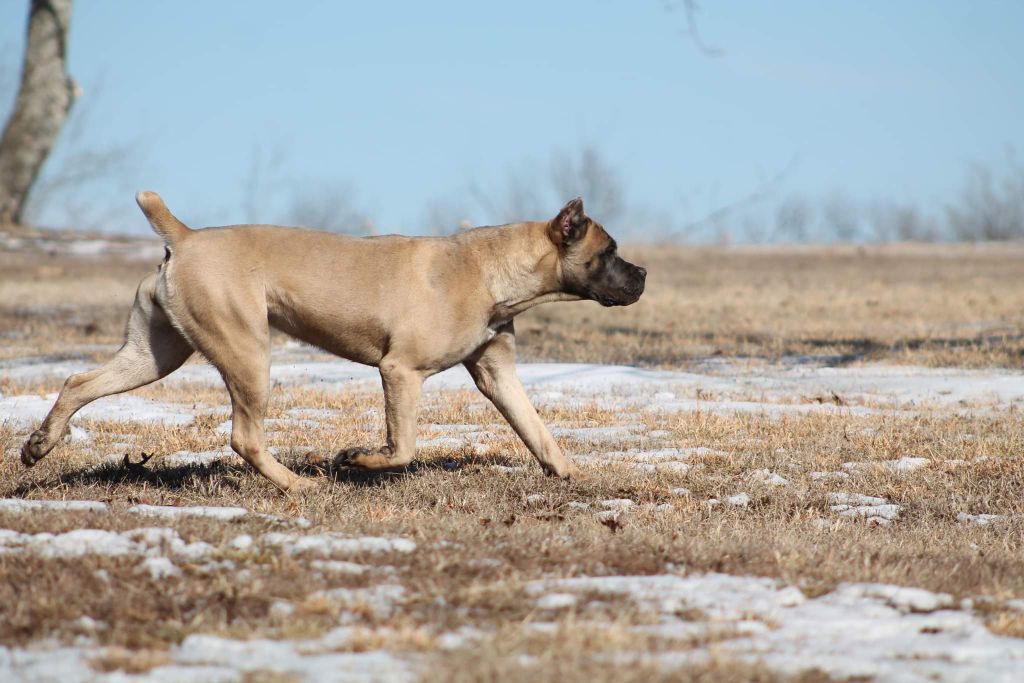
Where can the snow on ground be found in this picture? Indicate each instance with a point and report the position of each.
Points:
(898, 466)
(145, 542)
(858, 630)
(333, 544)
(888, 632)
(29, 410)
(189, 458)
(167, 512)
(213, 659)
(20, 505)
(772, 389)
(170, 512)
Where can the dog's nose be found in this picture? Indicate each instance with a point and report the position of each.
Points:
(642, 271)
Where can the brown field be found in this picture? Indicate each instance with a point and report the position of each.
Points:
(485, 528)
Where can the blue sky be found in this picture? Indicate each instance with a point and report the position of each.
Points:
(406, 105)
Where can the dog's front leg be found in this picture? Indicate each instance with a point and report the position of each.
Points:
(493, 368)
(401, 407)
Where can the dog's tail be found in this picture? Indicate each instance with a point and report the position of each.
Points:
(161, 218)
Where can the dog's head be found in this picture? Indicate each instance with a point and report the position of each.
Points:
(590, 265)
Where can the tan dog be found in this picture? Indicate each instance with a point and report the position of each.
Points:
(409, 306)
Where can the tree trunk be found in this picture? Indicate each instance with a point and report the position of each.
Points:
(44, 98)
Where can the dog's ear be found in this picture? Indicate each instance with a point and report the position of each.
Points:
(570, 225)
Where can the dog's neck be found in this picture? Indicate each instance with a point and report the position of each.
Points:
(522, 270)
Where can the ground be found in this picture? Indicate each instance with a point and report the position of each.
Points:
(800, 465)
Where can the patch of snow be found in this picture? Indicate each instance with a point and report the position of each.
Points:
(331, 544)
(223, 514)
(241, 542)
(509, 469)
(339, 567)
(289, 658)
(159, 568)
(900, 466)
(656, 455)
(843, 498)
(979, 520)
(888, 512)
(22, 505)
(186, 458)
(556, 601)
(461, 637)
(27, 410)
(767, 477)
(300, 522)
(873, 631)
(281, 609)
(380, 599)
(148, 541)
(740, 500)
(78, 435)
(907, 464)
(597, 434)
(617, 504)
(899, 597)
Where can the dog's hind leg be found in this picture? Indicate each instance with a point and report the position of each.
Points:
(229, 326)
(152, 349)
(248, 386)
(493, 368)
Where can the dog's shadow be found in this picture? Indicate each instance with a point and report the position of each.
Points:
(231, 472)
(454, 462)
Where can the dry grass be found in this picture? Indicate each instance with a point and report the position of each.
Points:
(479, 540)
(930, 305)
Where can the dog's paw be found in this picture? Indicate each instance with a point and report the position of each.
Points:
(350, 457)
(303, 484)
(565, 471)
(369, 459)
(34, 449)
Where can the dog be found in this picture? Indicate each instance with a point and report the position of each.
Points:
(410, 306)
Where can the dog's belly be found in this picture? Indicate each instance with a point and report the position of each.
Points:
(358, 340)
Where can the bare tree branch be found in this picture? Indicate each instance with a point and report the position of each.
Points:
(691, 9)
(587, 174)
(758, 194)
(76, 166)
(526, 196)
(263, 180)
(328, 205)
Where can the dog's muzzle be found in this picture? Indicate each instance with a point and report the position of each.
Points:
(628, 294)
